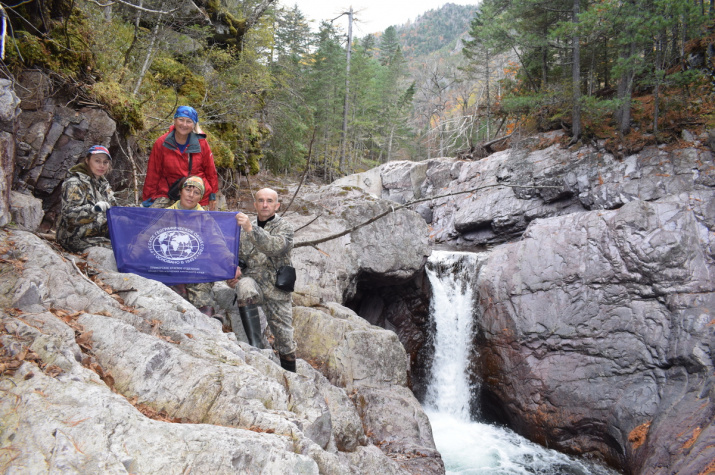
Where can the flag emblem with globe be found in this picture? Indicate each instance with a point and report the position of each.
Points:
(179, 245)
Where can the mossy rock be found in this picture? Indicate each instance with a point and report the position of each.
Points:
(223, 155)
(171, 73)
(50, 54)
(123, 107)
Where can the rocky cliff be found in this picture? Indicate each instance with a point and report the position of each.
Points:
(596, 293)
(105, 372)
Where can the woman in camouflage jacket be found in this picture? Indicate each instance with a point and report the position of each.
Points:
(86, 197)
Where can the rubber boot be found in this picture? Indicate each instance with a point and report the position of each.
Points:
(208, 310)
(252, 325)
(288, 362)
(180, 289)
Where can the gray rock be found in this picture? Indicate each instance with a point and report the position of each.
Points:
(101, 258)
(7, 167)
(370, 181)
(370, 363)
(9, 104)
(8, 126)
(52, 138)
(393, 247)
(26, 211)
(27, 295)
(556, 181)
(74, 423)
(103, 349)
(594, 320)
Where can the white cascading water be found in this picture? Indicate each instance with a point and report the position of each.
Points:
(469, 447)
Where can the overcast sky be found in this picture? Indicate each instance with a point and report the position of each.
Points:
(373, 15)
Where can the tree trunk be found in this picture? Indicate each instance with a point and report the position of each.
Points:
(135, 39)
(488, 73)
(592, 73)
(658, 68)
(625, 89)
(346, 105)
(607, 72)
(576, 77)
(149, 53)
(389, 144)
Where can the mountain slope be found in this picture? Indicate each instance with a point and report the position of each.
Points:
(435, 31)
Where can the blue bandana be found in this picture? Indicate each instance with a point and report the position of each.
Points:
(187, 111)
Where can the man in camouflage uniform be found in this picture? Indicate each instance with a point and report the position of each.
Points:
(266, 243)
(86, 196)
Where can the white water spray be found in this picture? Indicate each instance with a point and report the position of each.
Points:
(449, 391)
(469, 447)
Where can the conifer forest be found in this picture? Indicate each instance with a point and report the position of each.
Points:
(275, 92)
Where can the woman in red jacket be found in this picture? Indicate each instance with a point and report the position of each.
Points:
(181, 152)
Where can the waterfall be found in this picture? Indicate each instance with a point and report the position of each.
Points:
(449, 390)
(469, 447)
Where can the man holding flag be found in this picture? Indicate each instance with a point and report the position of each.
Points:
(266, 244)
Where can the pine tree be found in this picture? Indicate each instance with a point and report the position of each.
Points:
(389, 45)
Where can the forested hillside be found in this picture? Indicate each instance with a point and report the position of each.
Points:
(272, 94)
(435, 31)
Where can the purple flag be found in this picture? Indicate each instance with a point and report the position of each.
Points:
(175, 246)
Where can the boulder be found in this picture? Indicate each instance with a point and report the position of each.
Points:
(370, 363)
(7, 149)
(9, 109)
(130, 356)
(380, 263)
(72, 422)
(26, 211)
(391, 249)
(370, 181)
(51, 138)
(594, 326)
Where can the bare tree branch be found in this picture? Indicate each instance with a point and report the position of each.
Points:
(258, 13)
(149, 53)
(308, 223)
(136, 7)
(405, 205)
(302, 179)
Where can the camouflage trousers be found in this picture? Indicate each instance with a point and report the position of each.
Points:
(279, 313)
(80, 244)
(162, 202)
(199, 295)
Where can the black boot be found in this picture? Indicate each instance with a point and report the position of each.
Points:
(252, 325)
(181, 290)
(208, 310)
(288, 362)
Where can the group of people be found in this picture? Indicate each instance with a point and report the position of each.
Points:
(181, 174)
